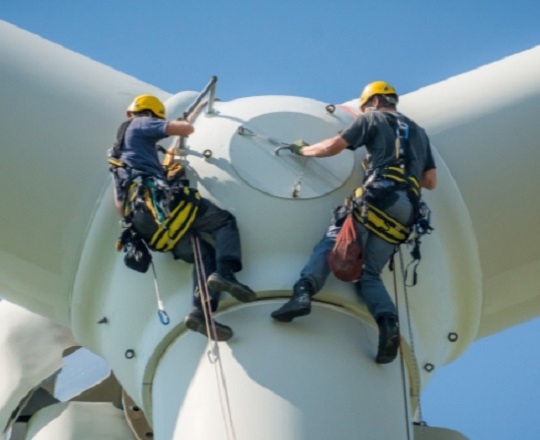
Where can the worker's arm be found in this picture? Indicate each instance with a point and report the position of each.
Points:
(429, 179)
(328, 147)
(193, 115)
(118, 203)
(179, 128)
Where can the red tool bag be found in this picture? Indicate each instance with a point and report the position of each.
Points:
(347, 257)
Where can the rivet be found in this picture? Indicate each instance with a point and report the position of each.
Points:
(453, 336)
(330, 108)
(129, 354)
(429, 367)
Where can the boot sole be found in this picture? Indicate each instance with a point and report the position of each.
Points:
(235, 290)
(222, 333)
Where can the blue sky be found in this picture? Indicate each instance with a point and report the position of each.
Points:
(327, 50)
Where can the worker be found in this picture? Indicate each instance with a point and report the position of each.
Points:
(398, 162)
(135, 154)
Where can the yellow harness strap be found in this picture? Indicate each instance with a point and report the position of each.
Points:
(398, 175)
(116, 162)
(380, 223)
(179, 220)
(177, 223)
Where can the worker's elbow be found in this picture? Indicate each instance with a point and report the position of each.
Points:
(336, 145)
(429, 179)
(185, 129)
(179, 128)
(189, 129)
(429, 185)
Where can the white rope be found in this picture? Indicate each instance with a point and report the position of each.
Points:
(225, 405)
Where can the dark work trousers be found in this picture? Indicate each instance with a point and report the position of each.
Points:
(223, 256)
(377, 253)
(216, 228)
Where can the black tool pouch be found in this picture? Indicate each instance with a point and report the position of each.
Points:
(381, 192)
(137, 255)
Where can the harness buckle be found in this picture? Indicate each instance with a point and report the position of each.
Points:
(402, 130)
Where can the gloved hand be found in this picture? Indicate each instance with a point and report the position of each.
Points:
(297, 146)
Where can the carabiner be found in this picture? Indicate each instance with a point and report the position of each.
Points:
(403, 130)
(163, 317)
(282, 147)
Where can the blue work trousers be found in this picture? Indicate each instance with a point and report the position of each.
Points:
(377, 253)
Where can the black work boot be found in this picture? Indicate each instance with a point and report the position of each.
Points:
(229, 283)
(298, 305)
(195, 321)
(388, 339)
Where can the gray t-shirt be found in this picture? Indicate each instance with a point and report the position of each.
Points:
(373, 130)
(139, 148)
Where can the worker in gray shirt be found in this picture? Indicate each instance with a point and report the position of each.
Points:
(398, 163)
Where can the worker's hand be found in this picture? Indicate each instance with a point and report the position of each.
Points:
(297, 146)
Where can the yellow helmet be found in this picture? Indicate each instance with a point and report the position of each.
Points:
(376, 88)
(148, 102)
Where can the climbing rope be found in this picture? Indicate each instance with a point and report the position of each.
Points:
(416, 370)
(401, 357)
(411, 336)
(213, 353)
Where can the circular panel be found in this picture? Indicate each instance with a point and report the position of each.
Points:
(287, 175)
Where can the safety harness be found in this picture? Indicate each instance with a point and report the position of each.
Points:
(157, 211)
(380, 183)
(377, 221)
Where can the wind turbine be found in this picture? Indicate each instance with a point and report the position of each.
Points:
(314, 378)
